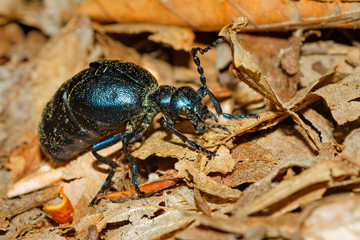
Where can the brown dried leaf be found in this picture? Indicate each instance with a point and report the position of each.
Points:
(115, 50)
(201, 202)
(287, 151)
(320, 58)
(262, 227)
(253, 163)
(203, 234)
(264, 120)
(63, 212)
(144, 218)
(92, 233)
(343, 98)
(222, 162)
(14, 95)
(4, 215)
(352, 147)
(247, 70)
(205, 16)
(86, 180)
(269, 59)
(322, 125)
(316, 176)
(246, 67)
(289, 57)
(47, 233)
(87, 221)
(25, 159)
(10, 35)
(46, 15)
(205, 183)
(334, 217)
(163, 144)
(44, 177)
(176, 37)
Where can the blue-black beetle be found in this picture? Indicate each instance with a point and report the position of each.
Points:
(115, 101)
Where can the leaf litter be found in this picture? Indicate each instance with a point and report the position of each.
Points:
(286, 174)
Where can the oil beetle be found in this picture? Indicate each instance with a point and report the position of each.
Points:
(115, 101)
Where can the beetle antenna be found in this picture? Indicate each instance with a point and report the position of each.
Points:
(203, 91)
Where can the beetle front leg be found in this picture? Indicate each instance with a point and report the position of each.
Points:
(185, 139)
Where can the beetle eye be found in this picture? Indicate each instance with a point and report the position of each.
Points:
(183, 110)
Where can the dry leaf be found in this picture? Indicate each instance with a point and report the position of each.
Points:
(84, 180)
(222, 162)
(309, 180)
(247, 70)
(25, 159)
(266, 227)
(334, 217)
(62, 212)
(176, 37)
(254, 163)
(144, 218)
(44, 177)
(343, 98)
(206, 184)
(170, 146)
(205, 16)
(352, 149)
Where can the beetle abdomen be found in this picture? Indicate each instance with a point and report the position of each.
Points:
(60, 135)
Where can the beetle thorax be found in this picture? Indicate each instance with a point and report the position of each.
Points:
(180, 102)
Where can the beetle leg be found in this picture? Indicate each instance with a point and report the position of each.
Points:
(131, 136)
(185, 139)
(239, 116)
(126, 141)
(213, 115)
(97, 147)
(198, 127)
(126, 138)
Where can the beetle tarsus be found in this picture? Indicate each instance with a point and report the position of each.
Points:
(185, 139)
(239, 116)
(139, 192)
(103, 187)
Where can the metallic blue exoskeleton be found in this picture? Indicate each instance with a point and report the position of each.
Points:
(115, 101)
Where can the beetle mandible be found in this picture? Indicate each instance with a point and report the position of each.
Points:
(115, 101)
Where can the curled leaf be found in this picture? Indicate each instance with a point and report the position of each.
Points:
(62, 212)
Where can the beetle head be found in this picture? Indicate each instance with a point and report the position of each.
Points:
(186, 102)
